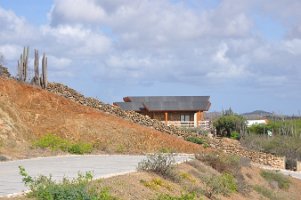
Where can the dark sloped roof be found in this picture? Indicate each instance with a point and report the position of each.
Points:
(135, 106)
(177, 106)
(166, 103)
(144, 99)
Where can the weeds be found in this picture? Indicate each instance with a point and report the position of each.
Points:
(265, 192)
(189, 196)
(188, 177)
(57, 143)
(221, 162)
(223, 184)
(155, 184)
(280, 145)
(159, 163)
(229, 164)
(282, 181)
(196, 140)
(44, 188)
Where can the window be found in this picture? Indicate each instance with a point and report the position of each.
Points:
(185, 118)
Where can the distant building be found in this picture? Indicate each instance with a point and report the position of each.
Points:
(184, 111)
(253, 122)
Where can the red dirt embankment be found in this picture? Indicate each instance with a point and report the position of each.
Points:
(27, 112)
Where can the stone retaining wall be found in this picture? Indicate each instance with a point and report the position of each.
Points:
(225, 145)
(132, 116)
(231, 146)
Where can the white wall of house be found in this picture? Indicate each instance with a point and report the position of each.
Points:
(253, 122)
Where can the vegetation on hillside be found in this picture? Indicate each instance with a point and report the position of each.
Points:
(230, 123)
(285, 139)
(55, 143)
(44, 188)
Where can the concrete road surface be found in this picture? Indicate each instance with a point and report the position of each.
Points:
(101, 166)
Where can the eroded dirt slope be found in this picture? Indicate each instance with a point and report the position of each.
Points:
(26, 113)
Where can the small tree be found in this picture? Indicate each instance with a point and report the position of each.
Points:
(228, 123)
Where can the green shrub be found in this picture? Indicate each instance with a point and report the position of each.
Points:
(159, 163)
(189, 196)
(265, 192)
(80, 148)
(230, 164)
(53, 142)
(282, 180)
(228, 123)
(235, 135)
(44, 188)
(57, 143)
(196, 140)
(220, 184)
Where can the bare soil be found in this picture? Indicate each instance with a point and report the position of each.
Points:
(27, 113)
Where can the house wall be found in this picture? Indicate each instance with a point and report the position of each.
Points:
(174, 118)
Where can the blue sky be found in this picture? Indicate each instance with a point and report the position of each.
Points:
(245, 54)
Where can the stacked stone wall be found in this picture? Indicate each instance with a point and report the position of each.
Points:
(225, 145)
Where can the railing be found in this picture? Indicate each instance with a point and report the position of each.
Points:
(180, 123)
(205, 125)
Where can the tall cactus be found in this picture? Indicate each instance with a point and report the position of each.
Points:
(23, 65)
(36, 78)
(44, 81)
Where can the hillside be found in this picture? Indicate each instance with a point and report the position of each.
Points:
(27, 113)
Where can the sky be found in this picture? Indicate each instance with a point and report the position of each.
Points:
(244, 54)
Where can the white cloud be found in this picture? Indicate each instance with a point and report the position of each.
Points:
(76, 11)
(293, 46)
(76, 40)
(11, 51)
(142, 41)
(58, 63)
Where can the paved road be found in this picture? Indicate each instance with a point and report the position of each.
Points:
(102, 166)
(294, 174)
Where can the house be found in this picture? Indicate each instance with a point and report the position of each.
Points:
(254, 122)
(186, 111)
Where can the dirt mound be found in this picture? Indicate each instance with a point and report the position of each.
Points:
(132, 116)
(27, 112)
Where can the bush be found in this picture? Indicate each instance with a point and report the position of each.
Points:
(189, 196)
(280, 145)
(221, 162)
(159, 163)
(265, 192)
(235, 135)
(57, 143)
(259, 129)
(282, 181)
(228, 123)
(223, 184)
(80, 148)
(229, 164)
(53, 142)
(44, 188)
(196, 140)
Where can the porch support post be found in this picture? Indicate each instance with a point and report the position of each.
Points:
(198, 118)
(166, 117)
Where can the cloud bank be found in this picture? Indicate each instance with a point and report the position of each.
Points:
(143, 47)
